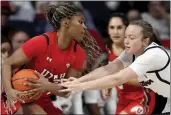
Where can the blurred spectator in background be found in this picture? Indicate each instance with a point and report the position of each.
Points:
(24, 11)
(6, 48)
(159, 19)
(18, 38)
(99, 13)
(23, 16)
(124, 6)
(40, 19)
(133, 14)
(5, 12)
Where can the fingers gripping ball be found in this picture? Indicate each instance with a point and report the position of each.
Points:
(18, 81)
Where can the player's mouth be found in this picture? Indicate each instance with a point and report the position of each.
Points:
(127, 48)
(116, 37)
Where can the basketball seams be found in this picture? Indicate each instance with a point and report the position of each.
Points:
(20, 79)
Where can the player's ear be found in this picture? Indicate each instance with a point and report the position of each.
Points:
(146, 41)
(65, 23)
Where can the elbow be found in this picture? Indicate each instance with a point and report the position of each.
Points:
(108, 69)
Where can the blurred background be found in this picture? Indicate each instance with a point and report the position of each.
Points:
(22, 20)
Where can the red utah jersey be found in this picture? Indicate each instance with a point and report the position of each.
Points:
(49, 60)
(53, 63)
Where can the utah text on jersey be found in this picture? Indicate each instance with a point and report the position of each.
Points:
(56, 78)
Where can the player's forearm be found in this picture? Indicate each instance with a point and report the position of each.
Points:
(53, 88)
(6, 76)
(109, 69)
(110, 81)
(102, 83)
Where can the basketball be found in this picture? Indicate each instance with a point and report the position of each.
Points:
(18, 80)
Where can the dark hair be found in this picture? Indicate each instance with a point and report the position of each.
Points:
(5, 39)
(119, 15)
(124, 20)
(147, 31)
(55, 13)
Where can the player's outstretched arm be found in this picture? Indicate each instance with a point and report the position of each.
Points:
(109, 69)
(103, 83)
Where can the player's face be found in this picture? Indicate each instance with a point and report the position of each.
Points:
(77, 27)
(116, 30)
(5, 50)
(18, 39)
(133, 40)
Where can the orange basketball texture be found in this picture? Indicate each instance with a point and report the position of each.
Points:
(18, 81)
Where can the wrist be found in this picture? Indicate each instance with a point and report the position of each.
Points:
(48, 87)
(8, 89)
(83, 86)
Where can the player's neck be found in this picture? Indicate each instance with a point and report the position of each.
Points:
(63, 40)
(117, 48)
(140, 52)
(119, 45)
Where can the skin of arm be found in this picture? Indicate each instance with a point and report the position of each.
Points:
(17, 59)
(110, 81)
(109, 69)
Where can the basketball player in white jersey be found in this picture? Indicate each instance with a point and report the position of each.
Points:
(142, 59)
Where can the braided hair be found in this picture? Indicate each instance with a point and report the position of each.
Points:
(92, 51)
(54, 15)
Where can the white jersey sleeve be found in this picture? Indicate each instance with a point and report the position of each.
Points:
(125, 58)
(151, 60)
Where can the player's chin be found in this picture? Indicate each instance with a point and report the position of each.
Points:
(128, 51)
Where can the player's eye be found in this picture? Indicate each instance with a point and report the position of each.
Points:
(80, 21)
(111, 27)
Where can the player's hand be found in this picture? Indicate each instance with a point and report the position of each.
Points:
(13, 96)
(71, 87)
(106, 93)
(65, 83)
(39, 85)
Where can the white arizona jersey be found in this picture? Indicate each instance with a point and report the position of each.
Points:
(152, 67)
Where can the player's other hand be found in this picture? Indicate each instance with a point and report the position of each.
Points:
(13, 96)
(70, 86)
(105, 93)
(39, 85)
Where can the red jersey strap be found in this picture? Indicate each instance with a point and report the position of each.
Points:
(75, 46)
(47, 39)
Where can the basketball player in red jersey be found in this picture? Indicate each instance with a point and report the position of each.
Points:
(54, 55)
(132, 99)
